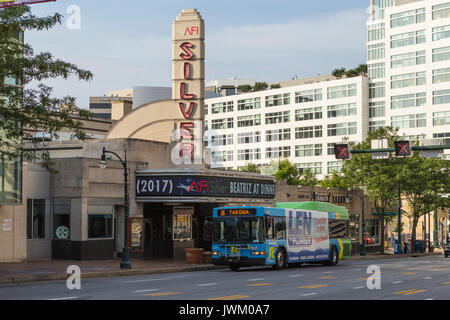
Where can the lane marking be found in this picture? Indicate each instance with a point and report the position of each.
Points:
(438, 269)
(256, 279)
(402, 292)
(411, 291)
(446, 282)
(408, 273)
(145, 280)
(147, 290)
(295, 275)
(238, 296)
(314, 286)
(417, 291)
(309, 294)
(427, 278)
(397, 282)
(259, 284)
(327, 277)
(206, 284)
(328, 272)
(161, 294)
(66, 298)
(356, 288)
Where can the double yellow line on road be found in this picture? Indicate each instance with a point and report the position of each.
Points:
(314, 286)
(408, 292)
(235, 297)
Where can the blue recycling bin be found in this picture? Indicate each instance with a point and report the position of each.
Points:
(398, 247)
(406, 250)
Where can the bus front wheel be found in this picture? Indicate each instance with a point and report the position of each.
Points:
(281, 260)
(334, 257)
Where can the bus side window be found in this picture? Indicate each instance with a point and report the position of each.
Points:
(280, 228)
(269, 228)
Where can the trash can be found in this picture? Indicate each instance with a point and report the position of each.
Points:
(417, 246)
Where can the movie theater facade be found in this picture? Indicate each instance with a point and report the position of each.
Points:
(171, 189)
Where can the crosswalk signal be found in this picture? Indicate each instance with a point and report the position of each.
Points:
(343, 151)
(402, 149)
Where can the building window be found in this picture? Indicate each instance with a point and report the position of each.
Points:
(409, 121)
(222, 140)
(308, 96)
(341, 129)
(308, 132)
(308, 114)
(441, 11)
(441, 118)
(376, 90)
(342, 110)
(278, 152)
(278, 117)
(408, 59)
(249, 137)
(341, 91)
(278, 100)
(334, 166)
(249, 121)
(249, 154)
(377, 109)
(408, 100)
(376, 70)
(406, 18)
(316, 167)
(441, 97)
(376, 51)
(376, 32)
(222, 107)
(441, 135)
(372, 231)
(100, 226)
(36, 218)
(408, 39)
(249, 104)
(278, 135)
(309, 150)
(408, 80)
(440, 33)
(222, 156)
(441, 75)
(375, 125)
(441, 54)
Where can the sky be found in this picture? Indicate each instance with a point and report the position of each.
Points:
(128, 43)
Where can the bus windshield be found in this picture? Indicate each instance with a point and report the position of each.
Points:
(234, 229)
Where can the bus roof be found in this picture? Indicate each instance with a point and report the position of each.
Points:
(341, 212)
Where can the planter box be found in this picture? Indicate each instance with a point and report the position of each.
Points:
(193, 255)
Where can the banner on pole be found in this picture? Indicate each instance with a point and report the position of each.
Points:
(15, 3)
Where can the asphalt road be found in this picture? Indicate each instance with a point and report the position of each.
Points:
(423, 278)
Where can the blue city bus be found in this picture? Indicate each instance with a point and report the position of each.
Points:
(291, 232)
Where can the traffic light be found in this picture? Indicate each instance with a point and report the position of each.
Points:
(402, 149)
(343, 151)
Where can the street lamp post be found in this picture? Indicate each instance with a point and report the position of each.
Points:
(362, 251)
(125, 263)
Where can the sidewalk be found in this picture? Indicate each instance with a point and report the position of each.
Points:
(46, 270)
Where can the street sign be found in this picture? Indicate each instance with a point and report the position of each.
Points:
(403, 149)
(380, 144)
(431, 153)
(343, 151)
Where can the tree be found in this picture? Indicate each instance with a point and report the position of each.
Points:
(260, 86)
(275, 86)
(361, 69)
(245, 88)
(251, 167)
(379, 177)
(308, 178)
(287, 172)
(24, 110)
(338, 72)
(335, 181)
(423, 184)
(352, 73)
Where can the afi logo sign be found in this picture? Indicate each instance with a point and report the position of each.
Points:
(191, 31)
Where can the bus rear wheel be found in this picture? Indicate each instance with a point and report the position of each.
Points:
(281, 260)
(334, 257)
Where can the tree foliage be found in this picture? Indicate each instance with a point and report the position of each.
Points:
(260, 86)
(23, 110)
(251, 167)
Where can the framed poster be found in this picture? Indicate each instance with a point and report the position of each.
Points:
(136, 233)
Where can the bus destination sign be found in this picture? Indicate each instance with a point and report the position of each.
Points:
(237, 212)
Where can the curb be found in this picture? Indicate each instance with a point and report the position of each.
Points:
(395, 256)
(107, 274)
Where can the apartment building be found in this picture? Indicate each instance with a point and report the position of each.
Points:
(301, 123)
(408, 50)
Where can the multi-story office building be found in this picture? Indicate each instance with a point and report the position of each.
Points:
(409, 67)
(301, 123)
